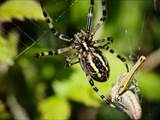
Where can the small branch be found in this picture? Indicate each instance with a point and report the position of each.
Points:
(16, 109)
(152, 61)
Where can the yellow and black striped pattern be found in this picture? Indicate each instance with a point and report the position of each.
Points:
(95, 64)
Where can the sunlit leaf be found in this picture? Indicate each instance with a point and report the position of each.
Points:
(76, 88)
(149, 83)
(20, 9)
(8, 48)
(54, 108)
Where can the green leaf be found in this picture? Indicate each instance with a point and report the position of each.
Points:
(149, 83)
(77, 87)
(20, 9)
(54, 108)
(8, 48)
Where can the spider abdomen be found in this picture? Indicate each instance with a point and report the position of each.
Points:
(95, 65)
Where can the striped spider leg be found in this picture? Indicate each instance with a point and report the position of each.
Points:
(51, 26)
(102, 19)
(125, 92)
(53, 52)
(107, 40)
(90, 15)
(68, 61)
(122, 59)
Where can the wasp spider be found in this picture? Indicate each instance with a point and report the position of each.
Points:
(86, 50)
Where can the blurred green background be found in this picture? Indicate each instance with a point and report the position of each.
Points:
(44, 89)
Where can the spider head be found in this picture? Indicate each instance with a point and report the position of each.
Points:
(81, 41)
(81, 37)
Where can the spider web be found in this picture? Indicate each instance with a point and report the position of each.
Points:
(43, 32)
(34, 42)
